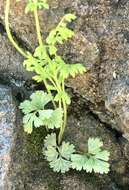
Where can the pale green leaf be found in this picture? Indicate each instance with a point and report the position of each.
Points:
(37, 121)
(67, 70)
(69, 17)
(94, 145)
(51, 87)
(78, 161)
(101, 167)
(51, 39)
(60, 165)
(27, 107)
(50, 140)
(28, 117)
(51, 154)
(52, 50)
(61, 32)
(52, 118)
(66, 150)
(103, 155)
(30, 7)
(28, 128)
(39, 4)
(62, 96)
(30, 120)
(38, 78)
(40, 99)
(46, 114)
(41, 54)
(32, 108)
(59, 157)
(95, 160)
(30, 63)
(28, 123)
(89, 165)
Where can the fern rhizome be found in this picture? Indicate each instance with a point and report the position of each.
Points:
(51, 69)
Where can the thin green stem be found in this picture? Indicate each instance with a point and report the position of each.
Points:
(57, 82)
(60, 106)
(38, 30)
(53, 83)
(49, 92)
(63, 86)
(7, 9)
(62, 129)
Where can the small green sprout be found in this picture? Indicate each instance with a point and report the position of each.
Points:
(36, 4)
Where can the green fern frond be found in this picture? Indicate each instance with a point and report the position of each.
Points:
(61, 32)
(39, 4)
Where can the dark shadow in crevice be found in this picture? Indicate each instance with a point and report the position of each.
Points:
(80, 105)
(117, 134)
(2, 29)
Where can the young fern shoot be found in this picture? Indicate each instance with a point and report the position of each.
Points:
(51, 69)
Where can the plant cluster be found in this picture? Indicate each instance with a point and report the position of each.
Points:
(51, 69)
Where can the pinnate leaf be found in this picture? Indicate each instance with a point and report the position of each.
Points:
(62, 96)
(39, 4)
(69, 17)
(67, 70)
(61, 32)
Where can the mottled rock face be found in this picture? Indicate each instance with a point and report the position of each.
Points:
(7, 134)
(11, 63)
(101, 44)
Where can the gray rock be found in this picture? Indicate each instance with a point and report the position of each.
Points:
(101, 44)
(7, 134)
(11, 63)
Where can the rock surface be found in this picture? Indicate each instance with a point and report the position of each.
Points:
(7, 134)
(101, 44)
(11, 63)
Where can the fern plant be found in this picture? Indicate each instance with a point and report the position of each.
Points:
(51, 69)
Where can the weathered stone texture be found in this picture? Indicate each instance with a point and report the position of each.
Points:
(11, 63)
(7, 134)
(101, 44)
